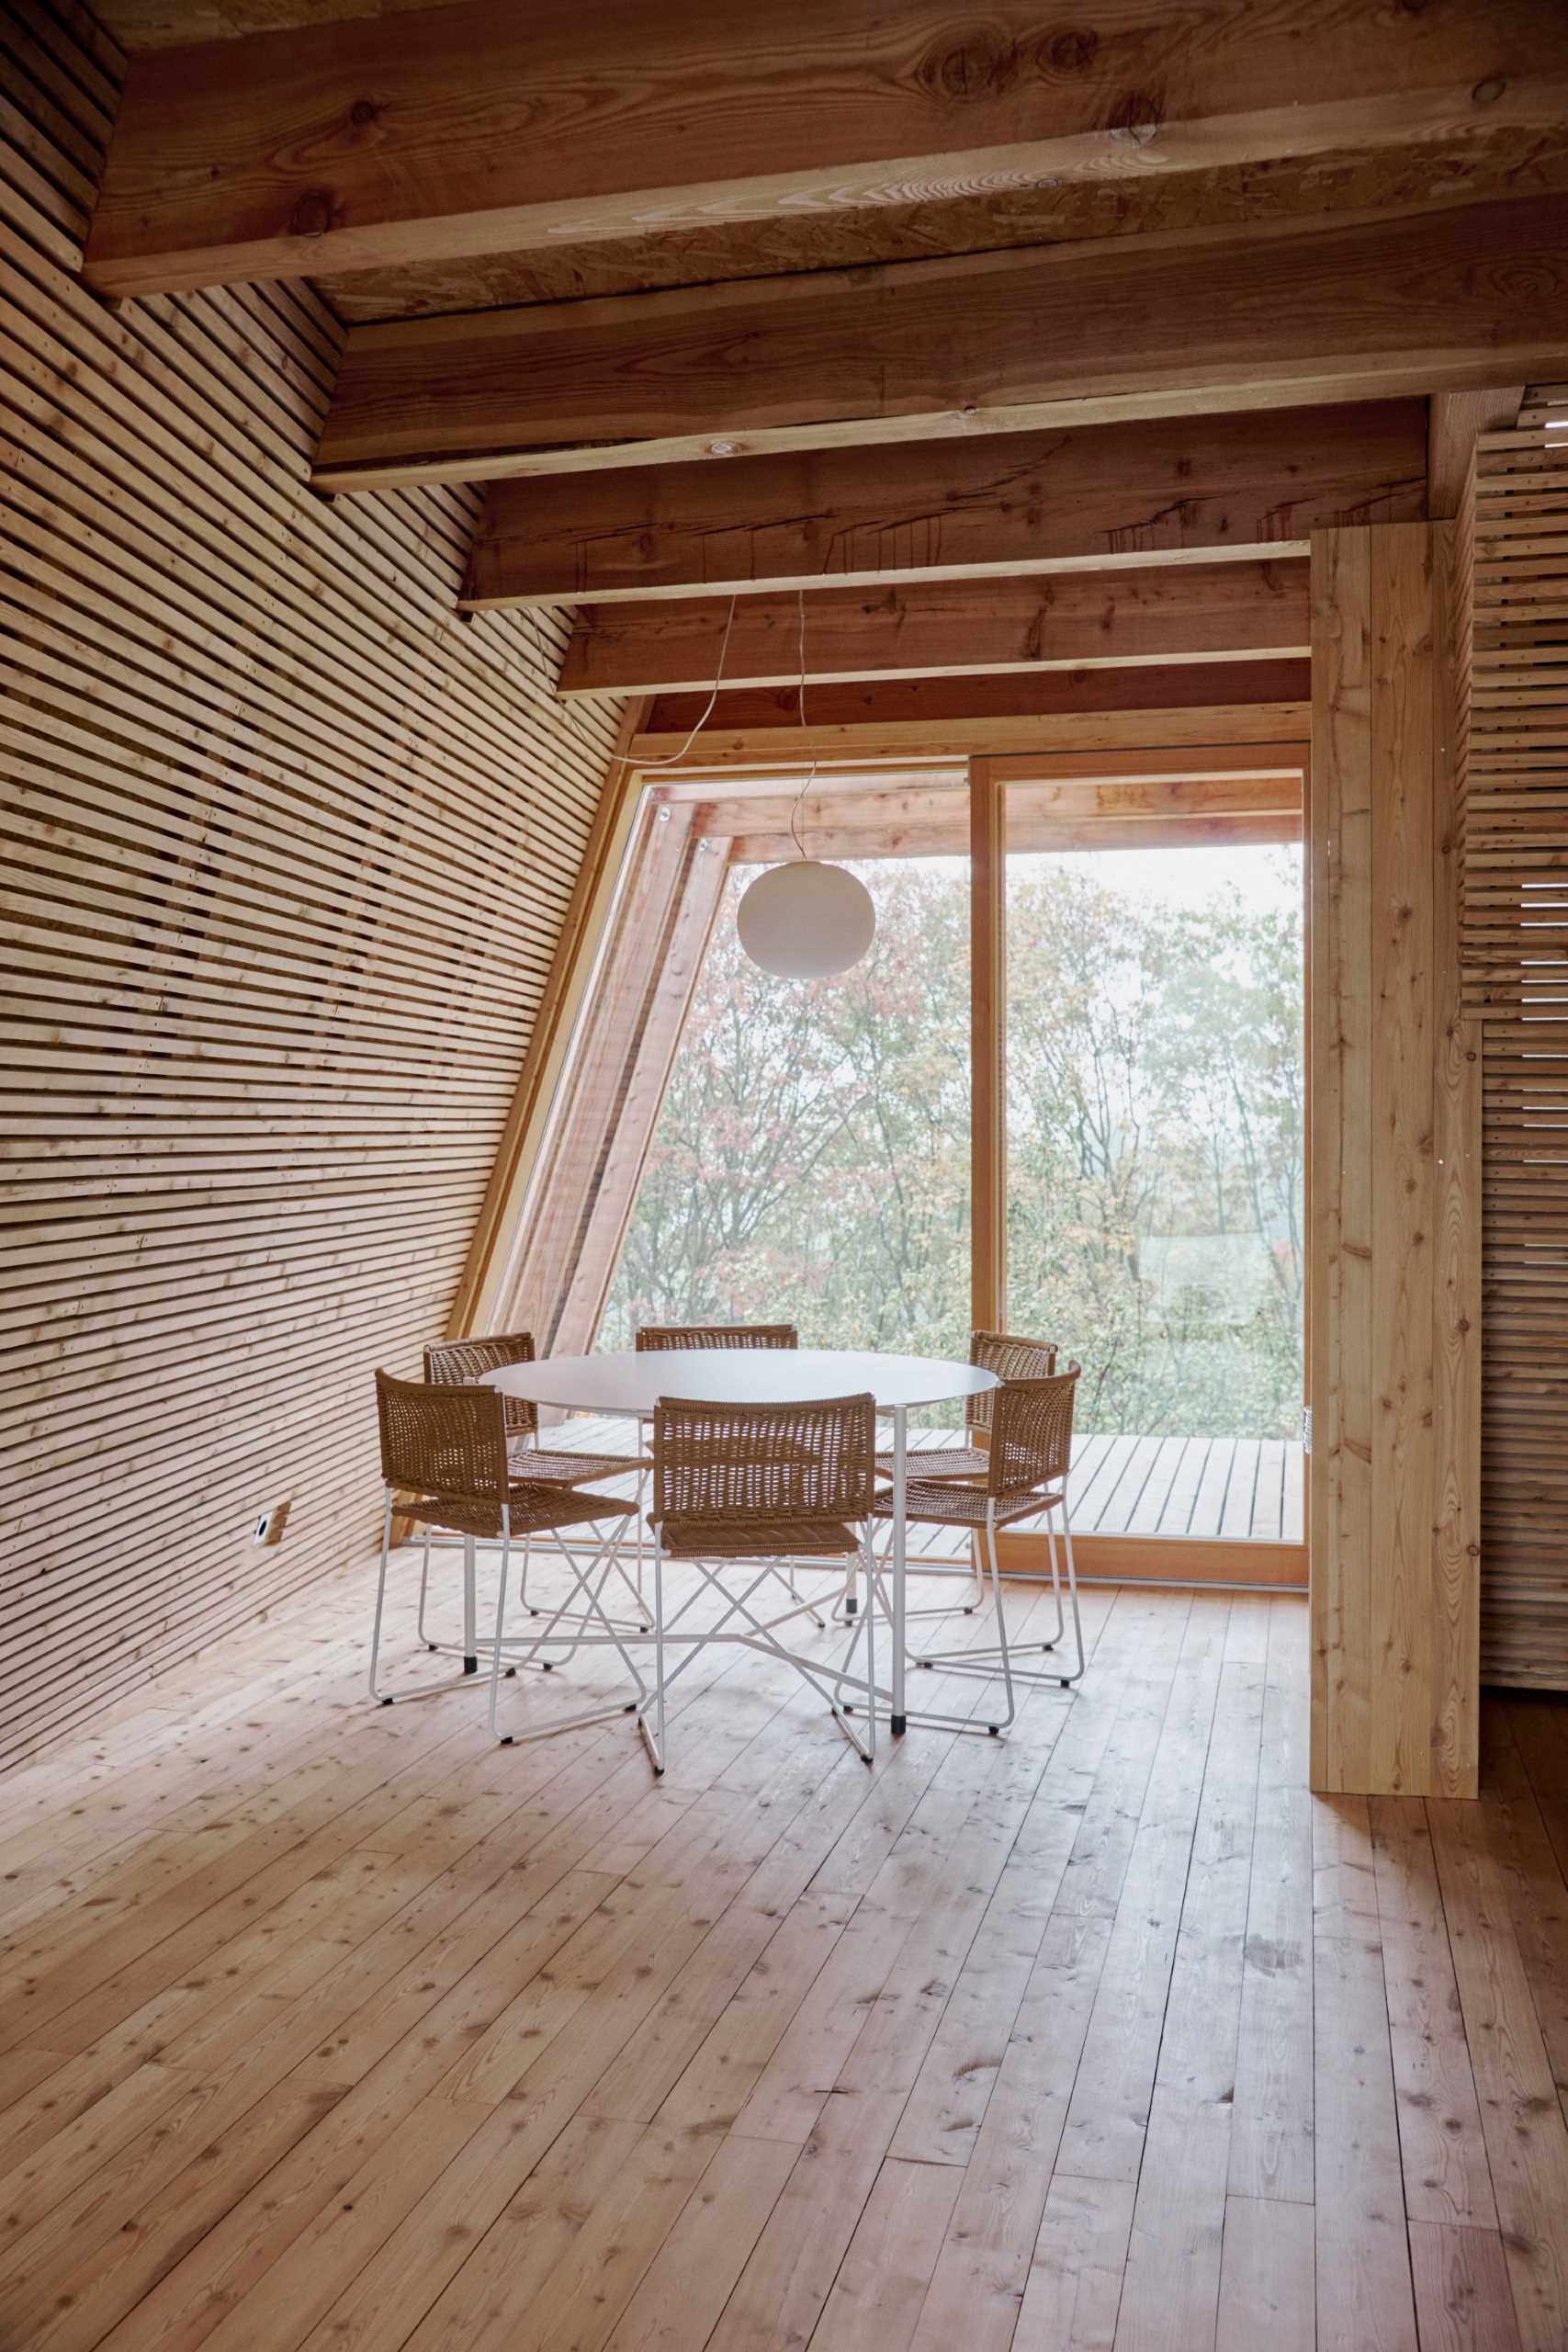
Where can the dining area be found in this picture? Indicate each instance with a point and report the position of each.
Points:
(753, 1509)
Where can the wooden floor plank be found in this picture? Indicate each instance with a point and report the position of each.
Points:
(353, 2033)
(1527, 2142)
(1365, 2302)
(1267, 2288)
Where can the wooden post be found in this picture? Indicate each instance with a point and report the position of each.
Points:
(1393, 1292)
(987, 1018)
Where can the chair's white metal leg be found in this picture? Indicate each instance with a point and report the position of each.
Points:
(1072, 1594)
(1001, 1614)
(471, 1635)
(896, 1718)
(381, 1597)
(656, 1742)
(500, 1617)
(423, 1586)
(870, 1574)
(1055, 1582)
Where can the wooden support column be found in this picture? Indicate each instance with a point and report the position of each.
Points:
(987, 1059)
(1393, 1300)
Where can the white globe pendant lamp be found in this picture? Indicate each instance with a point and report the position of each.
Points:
(806, 921)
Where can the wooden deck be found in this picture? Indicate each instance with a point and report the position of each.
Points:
(1221, 1489)
(325, 2025)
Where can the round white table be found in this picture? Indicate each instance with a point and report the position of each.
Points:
(631, 1384)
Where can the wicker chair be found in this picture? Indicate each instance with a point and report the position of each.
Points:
(458, 1361)
(444, 1463)
(754, 1483)
(668, 1337)
(656, 1336)
(1027, 1469)
(1010, 1359)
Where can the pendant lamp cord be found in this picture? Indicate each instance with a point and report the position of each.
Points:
(624, 760)
(800, 704)
(649, 767)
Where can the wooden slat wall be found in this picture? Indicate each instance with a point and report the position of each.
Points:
(286, 850)
(1393, 1307)
(1515, 527)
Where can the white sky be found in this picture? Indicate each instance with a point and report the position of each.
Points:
(1268, 879)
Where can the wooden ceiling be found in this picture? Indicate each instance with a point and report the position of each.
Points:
(1033, 349)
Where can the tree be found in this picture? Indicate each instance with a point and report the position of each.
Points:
(811, 1160)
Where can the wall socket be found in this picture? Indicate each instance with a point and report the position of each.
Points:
(270, 1527)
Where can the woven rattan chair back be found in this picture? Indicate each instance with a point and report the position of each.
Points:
(460, 1361)
(1032, 1433)
(765, 1462)
(441, 1441)
(658, 1338)
(1010, 1358)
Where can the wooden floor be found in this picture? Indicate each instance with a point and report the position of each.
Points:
(331, 2026)
(1216, 1488)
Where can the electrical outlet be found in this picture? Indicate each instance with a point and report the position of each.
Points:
(270, 1527)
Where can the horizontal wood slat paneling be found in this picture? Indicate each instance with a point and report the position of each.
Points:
(284, 852)
(1514, 947)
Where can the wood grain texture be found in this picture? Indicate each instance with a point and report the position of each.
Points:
(356, 144)
(1471, 162)
(1393, 1295)
(326, 2023)
(1217, 612)
(1455, 422)
(1112, 497)
(1171, 692)
(287, 852)
(1064, 335)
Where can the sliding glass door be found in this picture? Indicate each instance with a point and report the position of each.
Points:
(1152, 1150)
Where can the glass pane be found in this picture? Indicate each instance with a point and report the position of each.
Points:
(810, 1162)
(1155, 1131)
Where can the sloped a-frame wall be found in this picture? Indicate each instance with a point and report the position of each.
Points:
(287, 853)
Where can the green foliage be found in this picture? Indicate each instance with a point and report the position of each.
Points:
(811, 1160)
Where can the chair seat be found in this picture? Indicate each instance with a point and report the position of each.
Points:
(942, 1462)
(536, 1467)
(939, 1506)
(532, 1509)
(758, 1539)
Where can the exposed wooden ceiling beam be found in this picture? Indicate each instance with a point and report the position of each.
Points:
(1112, 497)
(916, 703)
(1080, 775)
(896, 721)
(476, 129)
(1454, 421)
(949, 836)
(1059, 335)
(933, 819)
(1195, 613)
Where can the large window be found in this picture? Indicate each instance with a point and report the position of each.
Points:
(1155, 1131)
(1065, 1093)
(810, 1162)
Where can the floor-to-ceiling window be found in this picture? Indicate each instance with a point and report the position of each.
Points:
(1156, 1135)
(810, 1161)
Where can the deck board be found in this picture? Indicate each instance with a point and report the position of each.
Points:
(328, 2024)
(1197, 1487)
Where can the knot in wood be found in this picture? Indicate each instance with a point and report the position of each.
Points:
(1137, 118)
(976, 67)
(1072, 52)
(312, 215)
